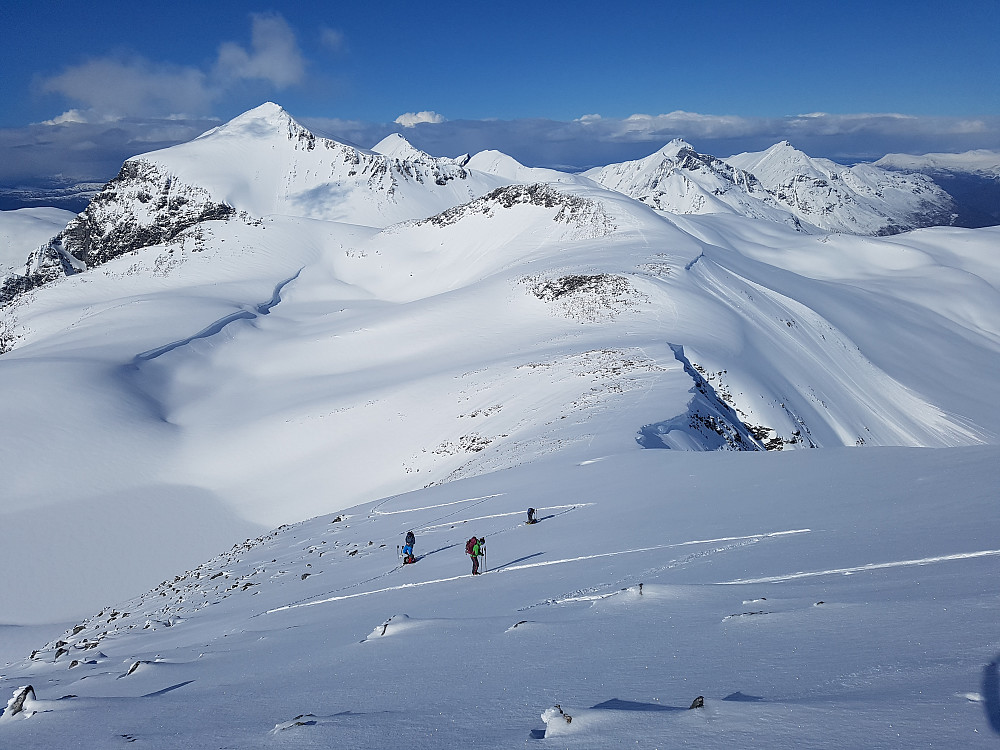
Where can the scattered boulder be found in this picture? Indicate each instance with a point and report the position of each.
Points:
(302, 720)
(16, 705)
(132, 669)
(555, 714)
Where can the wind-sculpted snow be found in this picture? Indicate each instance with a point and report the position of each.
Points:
(709, 423)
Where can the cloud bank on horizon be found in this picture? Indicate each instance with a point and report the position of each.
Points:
(101, 105)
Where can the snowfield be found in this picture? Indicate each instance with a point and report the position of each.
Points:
(763, 455)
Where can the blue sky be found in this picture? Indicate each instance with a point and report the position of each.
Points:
(551, 82)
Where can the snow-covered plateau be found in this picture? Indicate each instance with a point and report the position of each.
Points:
(761, 440)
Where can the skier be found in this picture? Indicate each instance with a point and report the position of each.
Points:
(408, 549)
(474, 547)
(531, 516)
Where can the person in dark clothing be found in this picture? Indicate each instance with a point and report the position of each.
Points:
(531, 516)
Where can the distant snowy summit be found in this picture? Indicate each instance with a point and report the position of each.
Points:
(781, 184)
(971, 178)
(678, 179)
(981, 162)
(862, 199)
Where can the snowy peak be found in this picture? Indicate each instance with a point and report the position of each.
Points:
(266, 121)
(971, 178)
(781, 159)
(396, 146)
(860, 200)
(982, 162)
(507, 167)
(678, 179)
(674, 148)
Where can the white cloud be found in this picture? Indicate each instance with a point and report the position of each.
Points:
(113, 88)
(67, 117)
(275, 56)
(117, 88)
(333, 39)
(410, 119)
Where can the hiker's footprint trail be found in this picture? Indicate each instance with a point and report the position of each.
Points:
(735, 542)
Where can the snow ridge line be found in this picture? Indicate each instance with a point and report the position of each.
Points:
(862, 568)
(503, 569)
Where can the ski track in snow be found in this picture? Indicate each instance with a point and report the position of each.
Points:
(376, 512)
(511, 568)
(863, 568)
(503, 515)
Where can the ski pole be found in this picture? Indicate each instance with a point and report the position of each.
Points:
(485, 568)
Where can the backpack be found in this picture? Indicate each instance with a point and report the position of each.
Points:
(471, 545)
(409, 538)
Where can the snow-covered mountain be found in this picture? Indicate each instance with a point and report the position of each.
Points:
(982, 162)
(677, 179)
(862, 199)
(971, 178)
(261, 327)
(258, 164)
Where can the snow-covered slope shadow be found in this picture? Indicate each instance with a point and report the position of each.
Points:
(820, 387)
(135, 371)
(709, 423)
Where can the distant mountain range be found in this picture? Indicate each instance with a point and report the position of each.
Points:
(156, 196)
(972, 179)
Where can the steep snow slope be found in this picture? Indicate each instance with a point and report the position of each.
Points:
(809, 595)
(863, 199)
(23, 230)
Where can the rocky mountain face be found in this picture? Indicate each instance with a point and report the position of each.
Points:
(143, 206)
(862, 199)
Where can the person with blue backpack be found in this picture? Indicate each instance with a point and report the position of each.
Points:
(408, 548)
